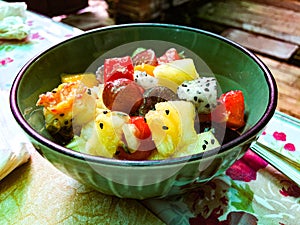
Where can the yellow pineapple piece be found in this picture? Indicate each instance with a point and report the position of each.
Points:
(108, 126)
(172, 126)
(174, 73)
(88, 79)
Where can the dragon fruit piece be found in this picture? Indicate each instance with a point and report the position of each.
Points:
(202, 92)
(144, 80)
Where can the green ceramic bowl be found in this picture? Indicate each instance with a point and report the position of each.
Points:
(239, 69)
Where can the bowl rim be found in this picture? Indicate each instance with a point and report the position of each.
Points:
(248, 135)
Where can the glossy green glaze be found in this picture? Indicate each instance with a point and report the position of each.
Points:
(237, 69)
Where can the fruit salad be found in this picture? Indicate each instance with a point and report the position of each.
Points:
(141, 107)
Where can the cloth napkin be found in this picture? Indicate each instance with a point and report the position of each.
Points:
(12, 21)
(15, 147)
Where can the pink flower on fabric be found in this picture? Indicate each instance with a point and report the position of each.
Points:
(29, 22)
(279, 136)
(245, 169)
(5, 61)
(69, 35)
(290, 188)
(37, 36)
(289, 147)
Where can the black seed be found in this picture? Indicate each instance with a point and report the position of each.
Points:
(62, 114)
(206, 89)
(184, 85)
(66, 122)
(206, 142)
(198, 92)
(101, 125)
(105, 112)
(135, 80)
(195, 98)
(203, 147)
(188, 90)
(89, 91)
(200, 100)
(207, 105)
(167, 111)
(165, 127)
(207, 84)
(212, 141)
(54, 92)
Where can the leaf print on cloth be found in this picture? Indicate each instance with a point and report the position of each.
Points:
(245, 169)
(241, 196)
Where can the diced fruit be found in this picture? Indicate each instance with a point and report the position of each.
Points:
(108, 126)
(155, 95)
(70, 104)
(145, 68)
(138, 143)
(171, 125)
(145, 57)
(143, 130)
(175, 73)
(169, 56)
(88, 79)
(134, 143)
(115, 68)
(205, 141)
(138, 50)
(122, 95)
(144, 80)
(202, 92)
(231, 109)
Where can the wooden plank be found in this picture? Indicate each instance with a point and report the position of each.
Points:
(262, 44)
(287, 4)
(288, 82)
(263, 19)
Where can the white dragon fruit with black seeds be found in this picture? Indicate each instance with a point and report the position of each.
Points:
(145, 80)
(202, 92)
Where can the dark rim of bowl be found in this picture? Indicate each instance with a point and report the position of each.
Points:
(248, 135)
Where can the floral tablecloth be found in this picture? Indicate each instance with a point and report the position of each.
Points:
(250, 192)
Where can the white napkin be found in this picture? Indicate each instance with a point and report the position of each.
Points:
(15, 147)
(12, 21)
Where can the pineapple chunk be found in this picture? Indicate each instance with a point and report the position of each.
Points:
(172, 126)
(88, 79)
(108, 127)
(172, 74)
